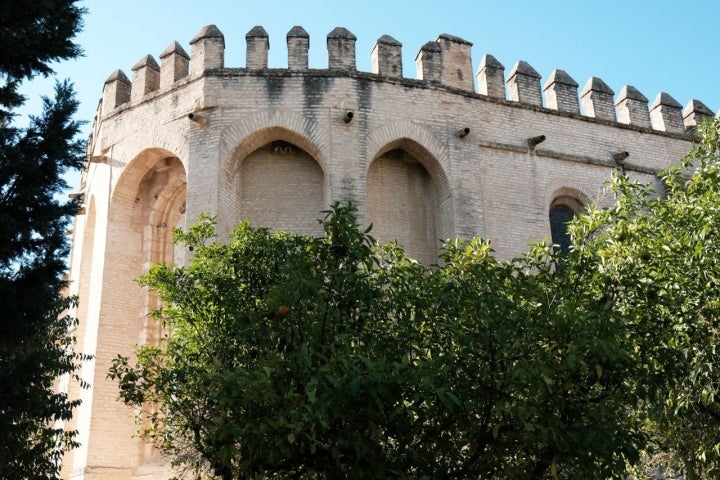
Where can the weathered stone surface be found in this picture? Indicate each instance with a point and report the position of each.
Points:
(386, 57)
(524, 84)
(298, 44)
(666, 114)
(490, 77)
(597, 100)
(695, 112)
(258, 44)
(632, 107)
(561, 92)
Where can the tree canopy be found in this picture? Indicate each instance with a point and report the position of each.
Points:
(334, 357)
(35, 332)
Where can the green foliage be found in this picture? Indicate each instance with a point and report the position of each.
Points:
(659, 259)
(36, 343)
(33, 35)
(333, 357)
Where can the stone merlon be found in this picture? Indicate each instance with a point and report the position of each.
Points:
(524, 84)
(341, 49)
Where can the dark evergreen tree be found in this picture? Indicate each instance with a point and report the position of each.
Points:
(35, 331)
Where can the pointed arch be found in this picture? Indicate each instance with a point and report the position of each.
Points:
(417, 140)
(255, 130)
(147, 203)
(277, 181)
(408, 195)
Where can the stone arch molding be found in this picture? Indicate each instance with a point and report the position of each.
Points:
(396, 134)
(140, 164)
(566, 189)
(432, 154)
(253, 131)
(170, 144)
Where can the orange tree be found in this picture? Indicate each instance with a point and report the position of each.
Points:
(656, 258)
(332, 357)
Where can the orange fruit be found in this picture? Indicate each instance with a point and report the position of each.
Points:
(283, 310)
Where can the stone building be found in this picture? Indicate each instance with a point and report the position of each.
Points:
(423, 159)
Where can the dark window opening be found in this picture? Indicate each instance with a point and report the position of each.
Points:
(560, 215)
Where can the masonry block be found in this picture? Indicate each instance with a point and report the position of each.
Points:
(386, 57)
(428, 62)
(146, 78)
(695, 112)
(174, 65)
(207, 50)
(258, 44)
(298, 44)
(561, 92)
(341, 49)
(524, 84)
(632, 107)
(116, 90)
(491, 77)
(666, 114)
(456, 67)
(597, 100)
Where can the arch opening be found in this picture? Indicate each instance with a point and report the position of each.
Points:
(147, 204)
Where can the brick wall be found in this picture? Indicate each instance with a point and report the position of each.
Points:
(423, 160)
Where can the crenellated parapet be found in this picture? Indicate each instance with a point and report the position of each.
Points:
(445, 62)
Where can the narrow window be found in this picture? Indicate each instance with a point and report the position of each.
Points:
(560, 215)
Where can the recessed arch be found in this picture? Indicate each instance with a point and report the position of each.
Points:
(278, 183)
(146, 204)
(256, 129)
(408, 199)
(135, 170)
(417, 140)
(261, 138)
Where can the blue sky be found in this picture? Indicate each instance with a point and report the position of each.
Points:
(655, 45)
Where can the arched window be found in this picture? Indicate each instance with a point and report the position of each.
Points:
(562, 210)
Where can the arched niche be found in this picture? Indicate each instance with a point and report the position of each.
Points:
(278, 183)
(407, 199)
(146, 205)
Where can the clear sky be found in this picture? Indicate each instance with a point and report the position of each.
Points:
(671, 46)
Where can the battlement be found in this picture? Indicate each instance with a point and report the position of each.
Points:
(445, 62)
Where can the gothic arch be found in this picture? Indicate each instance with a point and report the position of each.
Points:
(146, 205)
(419, 141)
(240, 145)
(408, 197)
(253, 131)
(277, 182)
